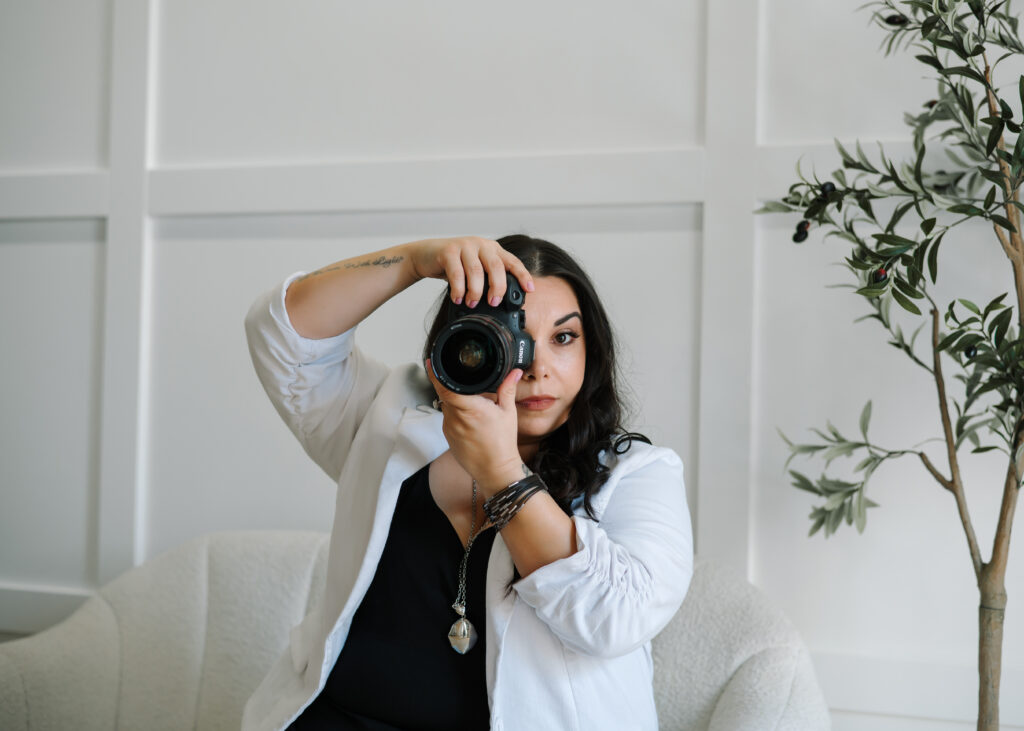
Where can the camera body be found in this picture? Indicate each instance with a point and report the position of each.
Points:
(477, 348)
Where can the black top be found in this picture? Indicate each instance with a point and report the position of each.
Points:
(397, 669)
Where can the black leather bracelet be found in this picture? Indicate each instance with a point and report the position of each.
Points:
(502, 506)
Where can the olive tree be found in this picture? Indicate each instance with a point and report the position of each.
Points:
(972, 124)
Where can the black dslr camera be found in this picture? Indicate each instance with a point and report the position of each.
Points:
(477, 348)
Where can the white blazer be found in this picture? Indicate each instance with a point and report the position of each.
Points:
(569, 648)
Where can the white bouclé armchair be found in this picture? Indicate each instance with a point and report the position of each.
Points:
(181, 641)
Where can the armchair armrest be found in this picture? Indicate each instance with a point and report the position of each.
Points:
(80, 653)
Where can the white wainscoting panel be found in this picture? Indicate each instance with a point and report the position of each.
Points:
(54, 82)
(822, 75)
(50, 295)
(252, 82)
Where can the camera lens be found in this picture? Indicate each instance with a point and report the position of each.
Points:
(471, 354)
(468, 358)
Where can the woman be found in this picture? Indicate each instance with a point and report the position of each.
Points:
(537, 613)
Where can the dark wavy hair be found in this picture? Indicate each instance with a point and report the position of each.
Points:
(568, 458)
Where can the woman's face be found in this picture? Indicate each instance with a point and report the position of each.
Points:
(548, 388)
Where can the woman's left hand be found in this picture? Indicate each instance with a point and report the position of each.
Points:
(483, 433)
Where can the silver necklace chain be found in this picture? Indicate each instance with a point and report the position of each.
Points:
(462, 635)
(460, 598)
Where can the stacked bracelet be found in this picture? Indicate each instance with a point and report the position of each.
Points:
(501, 507)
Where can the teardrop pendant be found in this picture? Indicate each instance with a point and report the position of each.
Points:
(462, 636)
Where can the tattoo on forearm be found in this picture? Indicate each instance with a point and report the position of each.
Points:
(317, 273)
(381, 261)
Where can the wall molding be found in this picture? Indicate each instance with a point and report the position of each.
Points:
(597, 178)
(722, 525)
(656, 176)
(78, 194)
(125, 312)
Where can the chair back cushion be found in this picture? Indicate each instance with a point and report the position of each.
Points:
(200, 625)
(731, 660)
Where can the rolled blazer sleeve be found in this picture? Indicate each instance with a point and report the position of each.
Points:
(321, 388)
(631, 571)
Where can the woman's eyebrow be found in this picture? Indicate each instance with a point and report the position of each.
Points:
(560, 320)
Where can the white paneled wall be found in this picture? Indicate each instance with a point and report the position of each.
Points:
(161, 163)
(822, 75)
(55, 79)
(50, 294)
(247, 83)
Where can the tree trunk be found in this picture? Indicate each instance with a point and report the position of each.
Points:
(990, 647)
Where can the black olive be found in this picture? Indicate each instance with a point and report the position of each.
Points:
(800, 236)
(803, 225)
(879, 276)
(897, 19)
(970, 351)
(827, 188)
(931, 103)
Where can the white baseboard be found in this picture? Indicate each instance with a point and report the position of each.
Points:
(912, 691)
(25, 610)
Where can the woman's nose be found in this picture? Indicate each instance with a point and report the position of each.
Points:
(538, 368)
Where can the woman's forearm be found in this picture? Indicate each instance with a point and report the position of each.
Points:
(339, 296)
(539, 534)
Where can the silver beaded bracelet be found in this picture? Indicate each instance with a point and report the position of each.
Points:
(502, 506)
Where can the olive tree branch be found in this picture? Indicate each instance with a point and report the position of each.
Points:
(954, 467)
(1014, 246)
(942, 479)
(1011, 490)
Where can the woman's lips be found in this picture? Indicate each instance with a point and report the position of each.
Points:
(536, 404)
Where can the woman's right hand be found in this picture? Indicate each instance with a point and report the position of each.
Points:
(462, 262)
